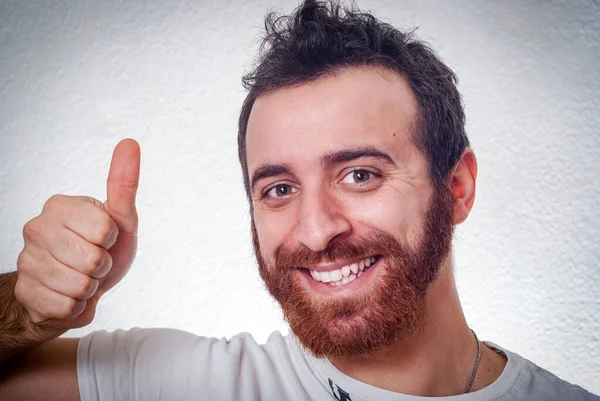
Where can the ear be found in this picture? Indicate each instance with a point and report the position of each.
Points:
(462, 182)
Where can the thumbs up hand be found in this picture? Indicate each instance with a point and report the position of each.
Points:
(79, 248)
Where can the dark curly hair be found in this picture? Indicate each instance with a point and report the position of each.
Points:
(322, 37)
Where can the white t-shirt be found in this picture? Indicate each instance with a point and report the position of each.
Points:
(167, 364)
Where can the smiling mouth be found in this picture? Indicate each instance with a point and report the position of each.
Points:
(345, 274)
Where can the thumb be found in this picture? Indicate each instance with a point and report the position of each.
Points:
(122, 184)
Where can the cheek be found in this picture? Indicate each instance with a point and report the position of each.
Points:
(272, 230)
(397, 213)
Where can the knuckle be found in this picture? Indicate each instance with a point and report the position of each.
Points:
(109, 261)
(95, 258)
(24, 262)
(63, 309)
(34, 317)
(105, 266)
(89, 199)
(54, 202)
(105, 230)
(86, 287)
(32, 231)
(21, 293)
(70, 308)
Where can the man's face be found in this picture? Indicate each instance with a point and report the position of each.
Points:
(347, 229)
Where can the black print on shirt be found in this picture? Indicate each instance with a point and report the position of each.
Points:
(338, 393)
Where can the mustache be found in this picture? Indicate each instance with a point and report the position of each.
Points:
(374, 243)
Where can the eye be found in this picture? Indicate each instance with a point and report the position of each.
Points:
(279, 191)
(357, 176)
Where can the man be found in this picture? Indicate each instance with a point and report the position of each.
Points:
(357, 168)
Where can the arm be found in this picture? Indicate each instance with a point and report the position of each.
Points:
(45, 372)
(75, 251)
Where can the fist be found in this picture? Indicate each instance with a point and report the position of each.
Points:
(78, 248)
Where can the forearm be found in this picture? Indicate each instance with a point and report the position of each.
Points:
(31, 366)
(17, 333)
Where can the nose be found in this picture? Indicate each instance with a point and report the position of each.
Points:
(320, 220)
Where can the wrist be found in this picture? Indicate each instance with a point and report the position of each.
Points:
(17, 332)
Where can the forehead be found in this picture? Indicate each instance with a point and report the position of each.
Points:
(354, 107)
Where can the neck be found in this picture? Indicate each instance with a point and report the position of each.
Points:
(438, 359)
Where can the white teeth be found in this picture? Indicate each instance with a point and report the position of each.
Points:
(343, 281)
(345, 274)
(353, 267)
(335, 275)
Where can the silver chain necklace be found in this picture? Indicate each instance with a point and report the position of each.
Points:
(474, 372)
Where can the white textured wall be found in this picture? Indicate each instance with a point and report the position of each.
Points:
(75, 77)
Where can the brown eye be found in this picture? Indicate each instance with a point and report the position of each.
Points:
(282, 190)
(279, 191)
(357, 176)
(360, 176)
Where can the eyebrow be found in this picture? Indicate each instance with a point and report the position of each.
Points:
(327, 160)
(346, 155)
(269, 170)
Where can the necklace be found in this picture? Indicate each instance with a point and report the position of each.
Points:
(474, 372)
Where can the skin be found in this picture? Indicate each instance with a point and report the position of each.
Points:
(313, 204)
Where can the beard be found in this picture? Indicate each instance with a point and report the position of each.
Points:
(366, 323)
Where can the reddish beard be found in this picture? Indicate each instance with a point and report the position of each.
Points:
(393, 309)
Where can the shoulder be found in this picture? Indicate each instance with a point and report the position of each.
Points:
(554, 388)
(533, 382)
(182, 364)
